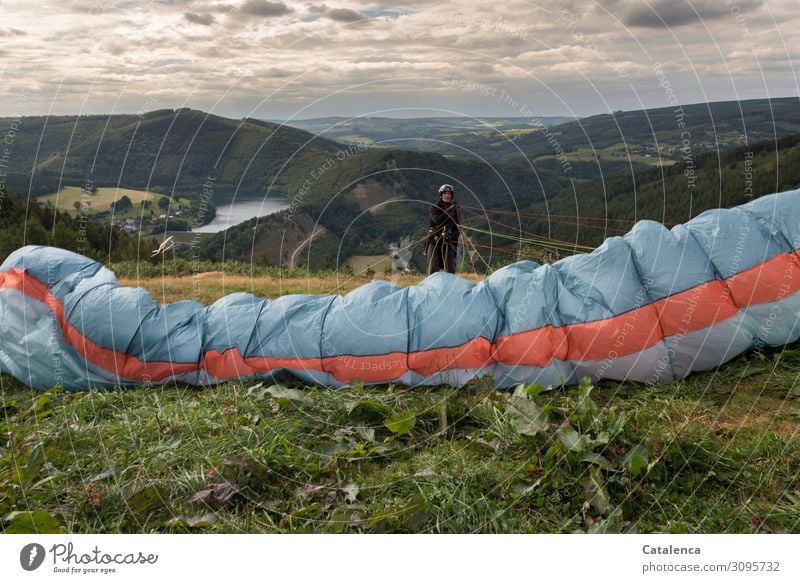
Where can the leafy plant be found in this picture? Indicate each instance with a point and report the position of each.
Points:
(576, 433)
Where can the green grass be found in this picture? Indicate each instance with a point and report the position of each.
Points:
(718, 452)
(611, 153)
(361, 264)
(100, 202)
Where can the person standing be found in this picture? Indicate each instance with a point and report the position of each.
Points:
(443, 232)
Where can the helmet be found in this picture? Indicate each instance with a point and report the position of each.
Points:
(445, 188)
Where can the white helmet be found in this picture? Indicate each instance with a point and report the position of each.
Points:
(446, 188)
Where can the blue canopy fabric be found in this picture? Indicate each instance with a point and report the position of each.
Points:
(652, 306)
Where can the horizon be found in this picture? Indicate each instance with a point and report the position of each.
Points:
(383, 116)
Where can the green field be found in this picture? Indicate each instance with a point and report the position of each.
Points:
(66, 198)
(616, 152)
(718, 452)
(100, 202)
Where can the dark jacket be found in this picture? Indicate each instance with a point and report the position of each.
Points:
(444, 221)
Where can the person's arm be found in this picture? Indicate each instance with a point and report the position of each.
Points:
(455, 216)
(438, 216)
(454, 226)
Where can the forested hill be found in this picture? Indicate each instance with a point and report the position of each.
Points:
(368, 200)
(644, 135)
(166, 149)
(595, 210)
(706, 126)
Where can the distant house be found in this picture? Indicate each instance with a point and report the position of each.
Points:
(130, 226)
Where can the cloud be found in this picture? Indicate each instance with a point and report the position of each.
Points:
(344, 15)
(97, 8)
(674, 13)
(358, 54)
(202, 19)
(265, 8)
(337, 14)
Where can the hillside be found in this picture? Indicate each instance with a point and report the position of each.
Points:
(592, 211)
(366, 198)
(182, 150)
(640, 138)
(369, 200)
(424, 134)
(706, 127)
(504, 206)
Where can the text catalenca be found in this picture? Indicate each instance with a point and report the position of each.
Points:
(670, 550)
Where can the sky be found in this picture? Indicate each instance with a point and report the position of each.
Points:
(294, 60)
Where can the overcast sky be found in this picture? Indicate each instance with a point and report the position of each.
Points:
(292, 59)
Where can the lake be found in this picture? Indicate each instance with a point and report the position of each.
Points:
(241, 210)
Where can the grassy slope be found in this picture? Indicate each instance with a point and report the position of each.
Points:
(101, 202)
(65, 198)
(722, 451)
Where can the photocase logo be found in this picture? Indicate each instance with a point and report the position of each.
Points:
(31, 556)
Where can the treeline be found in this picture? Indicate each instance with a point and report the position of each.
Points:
(587, 213)
(27, 222)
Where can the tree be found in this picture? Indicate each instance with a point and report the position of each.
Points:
(163, 202)
(122, 204)
(77, 206)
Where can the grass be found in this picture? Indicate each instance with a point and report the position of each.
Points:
(361, 264)
(207, 287)
(611, 153)
(68, 195)
(100, 202)
(718, 452)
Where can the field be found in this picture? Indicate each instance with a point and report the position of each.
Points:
(100, 202)
(616, 152)
(66, 198)
(361, 264)
(209, 287)
(717, 452)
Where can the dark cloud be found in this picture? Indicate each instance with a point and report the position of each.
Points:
(202, 19)
(337, 14)
(344, 15)
(673, 13)
(265, 8)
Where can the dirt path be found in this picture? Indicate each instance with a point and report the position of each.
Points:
(319, 230)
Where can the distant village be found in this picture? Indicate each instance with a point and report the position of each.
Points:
(181, 219)
(132, 226)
